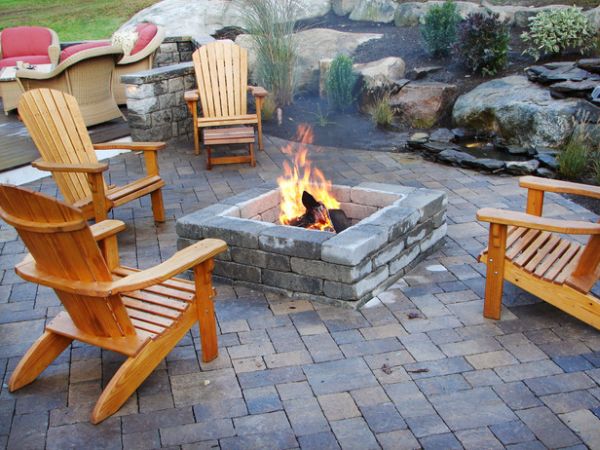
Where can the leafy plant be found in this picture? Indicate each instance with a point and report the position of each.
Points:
(340, 83)
(322, 118)
(554, 31)
(439, 28)
(483, 43)
(573, 159)
(381, 112)
(271, 24)
(596, 167)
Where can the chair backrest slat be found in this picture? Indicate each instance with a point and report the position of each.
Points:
(62, 246)
(58, 130)
(222, 77)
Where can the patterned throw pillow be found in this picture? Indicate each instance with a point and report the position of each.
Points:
(125, 39)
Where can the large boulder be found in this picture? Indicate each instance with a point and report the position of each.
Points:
(593, 16)
(381, 75)
(522, 112)
(410, 14)
(199, 18)
(314, 45)
(343, 7)
(422, 104)
(374, 11)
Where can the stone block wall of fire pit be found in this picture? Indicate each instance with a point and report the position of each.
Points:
(393, 228)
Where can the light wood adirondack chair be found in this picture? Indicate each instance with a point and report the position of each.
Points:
(56, 126)
(222, 76)
(527, 250)
(140, 314)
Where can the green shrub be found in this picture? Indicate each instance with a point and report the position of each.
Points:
(341, 80)
(554, 31)
(573, 159)
(270, 24)
(483, 43)
(322, 118)
(596, 167)
(439, 28)
(382, 113)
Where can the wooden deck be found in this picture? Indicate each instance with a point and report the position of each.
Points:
(17, 148)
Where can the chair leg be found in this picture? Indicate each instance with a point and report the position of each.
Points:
(136, 369)
(208, 155)
(494, 281)
(158, 207)
(39, 356)
(252, 158)
(206, 310)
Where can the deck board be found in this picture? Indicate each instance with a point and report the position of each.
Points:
(17, 148)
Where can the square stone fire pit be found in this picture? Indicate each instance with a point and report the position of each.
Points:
(393, 227)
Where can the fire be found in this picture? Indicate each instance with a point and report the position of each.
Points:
(303, 177)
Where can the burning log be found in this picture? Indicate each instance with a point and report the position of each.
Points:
(317, 217)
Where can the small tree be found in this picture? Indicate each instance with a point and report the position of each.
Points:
(341, 80)
(439, 28)
(483, 43)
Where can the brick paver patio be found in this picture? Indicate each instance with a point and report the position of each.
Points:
(421, 368)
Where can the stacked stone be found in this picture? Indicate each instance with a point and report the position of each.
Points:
(347, 269)
(155, 102)
(175, 50)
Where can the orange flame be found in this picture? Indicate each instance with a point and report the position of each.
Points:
(303, 177)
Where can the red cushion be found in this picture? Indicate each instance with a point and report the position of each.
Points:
(72, 49)
(146, 32)
(25, 41)
(11, 62)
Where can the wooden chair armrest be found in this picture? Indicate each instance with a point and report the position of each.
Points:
(60, 167)
(179, 262)
(258, 91)
(191, 96)
(564, 187)
(518, 219)
(106, 228)
(134, 146)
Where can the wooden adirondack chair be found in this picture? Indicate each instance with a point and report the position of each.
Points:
(222, 76)
(140, 314)
(57, 128)
(526, 250)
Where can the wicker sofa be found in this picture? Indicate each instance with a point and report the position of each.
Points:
(87, 75)
(32, 45)
(141, 58)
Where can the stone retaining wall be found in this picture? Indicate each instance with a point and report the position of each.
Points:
(156, 108)
(175, 50)
(405, 224)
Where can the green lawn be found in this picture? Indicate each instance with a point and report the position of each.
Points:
(73, 20)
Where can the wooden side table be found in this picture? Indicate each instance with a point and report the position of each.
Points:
(223, 136)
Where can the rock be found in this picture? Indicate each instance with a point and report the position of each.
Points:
(314, 45)
(455, 157)
(442, 135)
(382, 74)
(422, 104)
(492, 165)
(558, 72)
(462, 133)
(374, 11)
(416, 140)
(590, 64)
(545, 172)
(522, 167)
(409, 14)
(547, 160)
(418, 73)
(436, 147)
(516, 150)
(343, 7)
(198, 18)
(573, 88)
(521, 112)
(593, 16)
